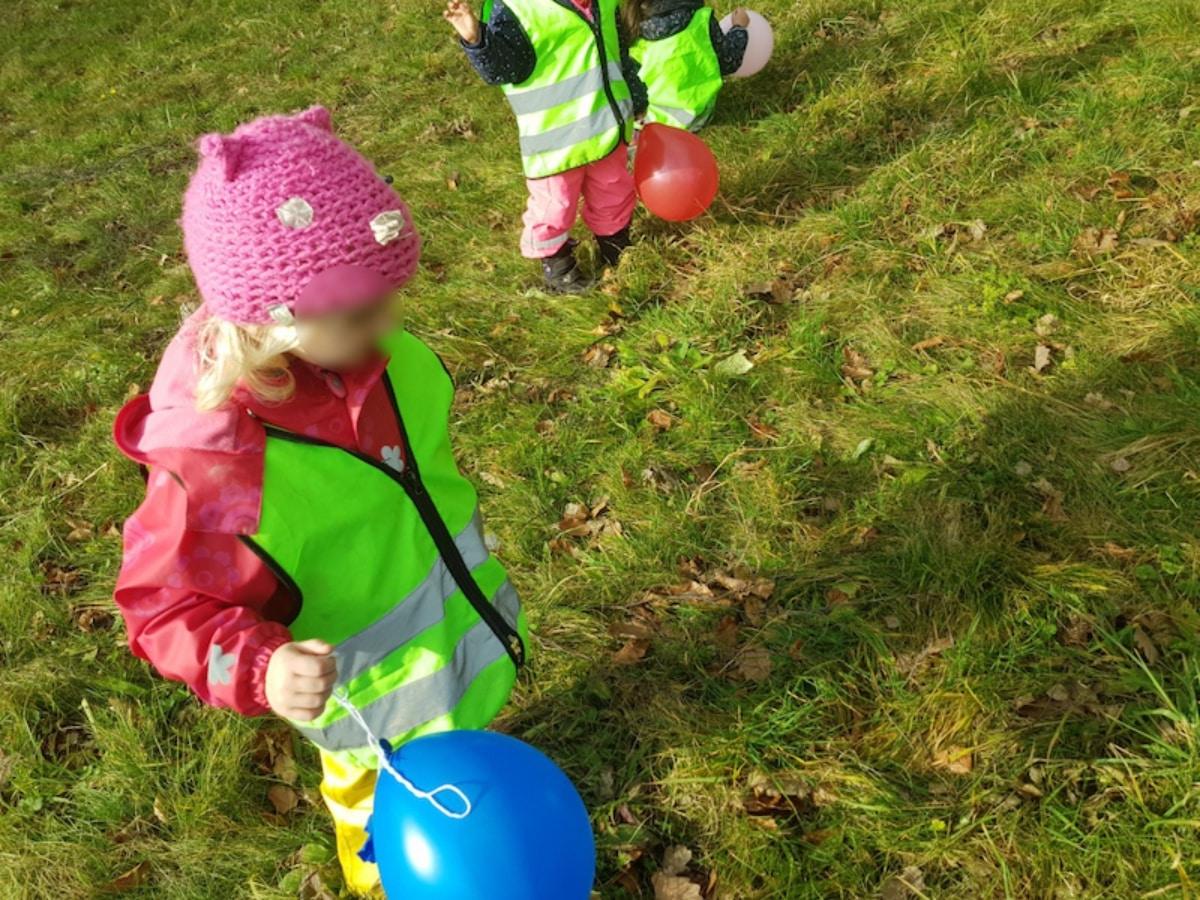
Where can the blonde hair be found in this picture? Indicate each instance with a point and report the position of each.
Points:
(253, 357)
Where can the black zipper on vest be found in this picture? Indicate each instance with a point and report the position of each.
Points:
(597, 27)
(409, 478)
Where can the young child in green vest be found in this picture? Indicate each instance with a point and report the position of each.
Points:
(681, 56)
(562, 65)
(305, 528)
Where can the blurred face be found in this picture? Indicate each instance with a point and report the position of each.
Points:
(346, 339)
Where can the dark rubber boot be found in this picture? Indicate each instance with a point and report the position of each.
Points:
(563, 275)
(612, 246)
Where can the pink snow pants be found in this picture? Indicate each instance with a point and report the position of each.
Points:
(606, 187)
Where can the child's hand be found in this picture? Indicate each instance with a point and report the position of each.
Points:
(300, 679)
(741, 18)
(462, 17)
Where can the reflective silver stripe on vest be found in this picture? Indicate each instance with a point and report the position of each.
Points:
(539, 99)
(683, 116)
(423, 608)
(416, 702)
(567, 136)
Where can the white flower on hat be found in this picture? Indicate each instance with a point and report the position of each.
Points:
(387, 226)
(295, 212)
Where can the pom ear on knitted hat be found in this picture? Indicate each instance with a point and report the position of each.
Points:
(226, 148)
(317, 116)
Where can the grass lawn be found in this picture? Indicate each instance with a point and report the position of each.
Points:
(907, 609)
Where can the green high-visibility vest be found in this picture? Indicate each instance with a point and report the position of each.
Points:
(682, 74)
(389, 563)
(575, 108)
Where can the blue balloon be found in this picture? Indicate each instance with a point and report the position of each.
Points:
(527, 836)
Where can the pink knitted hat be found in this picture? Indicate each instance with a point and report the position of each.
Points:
(283, 219)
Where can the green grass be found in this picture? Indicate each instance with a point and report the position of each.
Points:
(968, 556)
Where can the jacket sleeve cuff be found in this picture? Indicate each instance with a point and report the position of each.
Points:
(258, 674)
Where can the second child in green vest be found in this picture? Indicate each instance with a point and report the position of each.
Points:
(305, 527)
(682, 56)
(563, 66)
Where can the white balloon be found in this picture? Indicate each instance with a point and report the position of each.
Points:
(759, 47)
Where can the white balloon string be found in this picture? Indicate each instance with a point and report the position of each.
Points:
(375, 744)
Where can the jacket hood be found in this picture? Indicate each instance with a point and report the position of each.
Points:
(216, 456)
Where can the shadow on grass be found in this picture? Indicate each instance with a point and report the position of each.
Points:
(1008, 586)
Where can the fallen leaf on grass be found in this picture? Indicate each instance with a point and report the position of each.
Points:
(80, 530)
(674, 887)
(633, 651)
(1145, 645)
(777, 291)
(761, 430)
(282, 798)
(734, 365)
(592, 522)
(956, 760)
(61, 579)
(92, 618)
(1052, 500)
(1061, 699)
(1077, 631)
(929, 343)
(127, 881)
(660, 419)
(676, 859)
(1043, 356)
(312, 888)
(1096, 241)
(909, 883)
(912, 664)
(726, 634)
(855, 368)
(598, 356)
(274, 754)
(754, 663)
(1120, 465)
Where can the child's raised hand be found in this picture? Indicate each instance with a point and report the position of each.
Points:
(300, 679)
(740, 17)
(463, 18)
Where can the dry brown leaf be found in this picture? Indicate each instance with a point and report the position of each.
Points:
(80, 530)
(777, 291)
(956, 760)
(283, 798)
(1043, 356)
(633, 651)
(856, 367)
(91, 618)
(1077, 631)
(1145, 645)
(312, 888)
(910, 664)
(660, 419)
(676, 859)
(1097, 241)
(726, 634)
(127, 881)
(674, 887)
(1120, 465)
(929, 343)
(574, 519)
(761, 430)
(598, 356)
(909, 883)
(754, 663)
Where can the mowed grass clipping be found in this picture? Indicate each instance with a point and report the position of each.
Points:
(857, 520)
